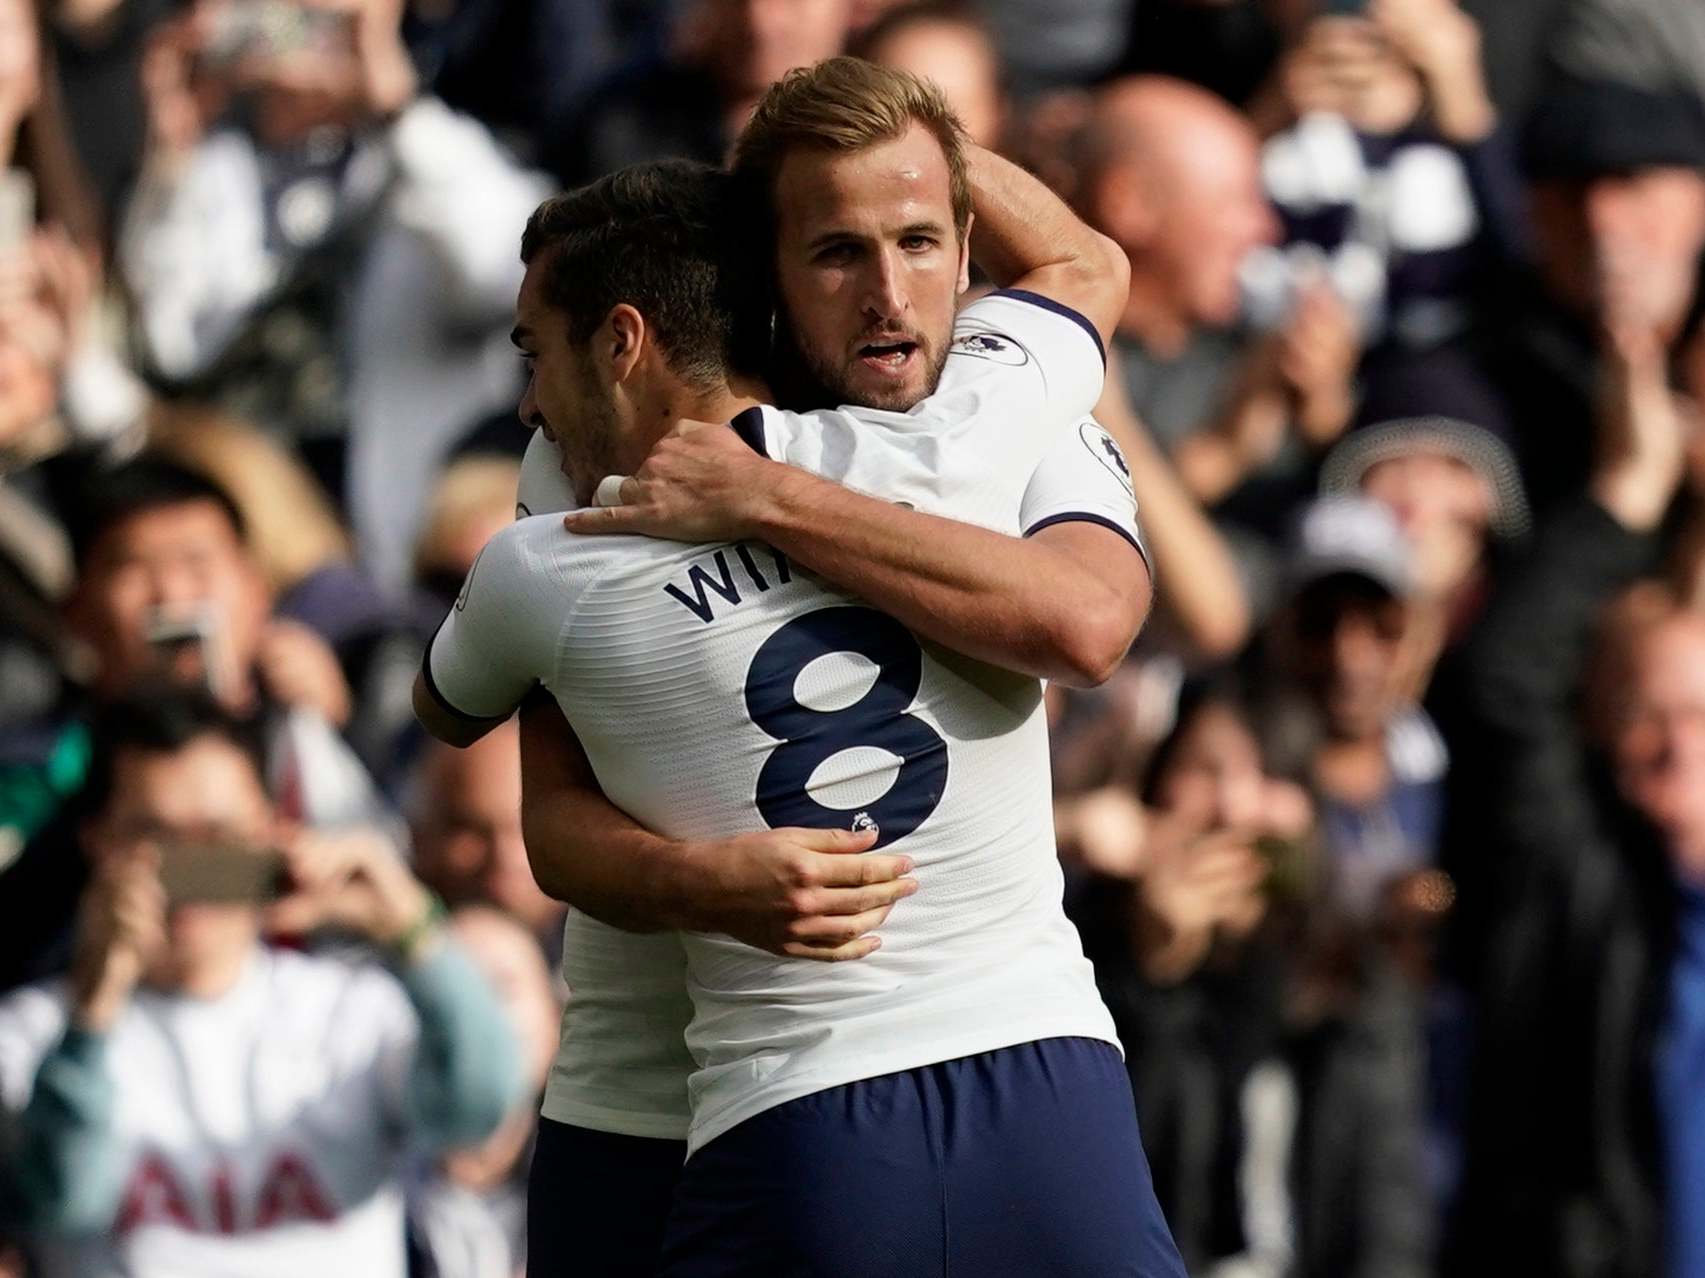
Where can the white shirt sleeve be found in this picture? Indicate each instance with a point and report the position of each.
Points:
(543, 488)
(1084, 478)
(1025, 357)
(502, 635)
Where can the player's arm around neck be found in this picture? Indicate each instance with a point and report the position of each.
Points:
(1026, 237)
(799, 893)
(1065, 604)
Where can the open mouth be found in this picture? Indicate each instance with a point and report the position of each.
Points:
(889, 356)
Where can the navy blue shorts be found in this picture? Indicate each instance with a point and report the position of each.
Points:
(597, 1203)
(1024, 1162)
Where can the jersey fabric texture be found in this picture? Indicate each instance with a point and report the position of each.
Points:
(1019, 1162)
(715, 688)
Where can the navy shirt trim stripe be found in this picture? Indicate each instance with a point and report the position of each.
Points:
(1085, 517)
(437, 694)
(1059, 308)
(749, 425)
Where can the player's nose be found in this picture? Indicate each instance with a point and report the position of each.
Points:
(885, 293)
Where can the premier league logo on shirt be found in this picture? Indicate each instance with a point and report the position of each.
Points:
(991, 346)
(1105, 451)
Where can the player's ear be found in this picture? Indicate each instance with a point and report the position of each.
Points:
(965, 253)
(625, 334)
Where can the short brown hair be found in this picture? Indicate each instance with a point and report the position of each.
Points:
(847, 104)
(654, 235)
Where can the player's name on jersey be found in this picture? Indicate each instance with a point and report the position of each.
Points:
(732, 574)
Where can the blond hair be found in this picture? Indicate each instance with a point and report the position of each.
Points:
(475, 493)
(848, 104)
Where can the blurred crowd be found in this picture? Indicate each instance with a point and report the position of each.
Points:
(1387, 840)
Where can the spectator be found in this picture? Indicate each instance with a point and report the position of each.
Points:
(1171, 174)
(942, 42)
(467, 832)
(692, 101)
(1394, 181)
(1435, 450)
(1371, 757)
(468, 1217)
(326, 262)
(166, 587)
(308, 563)
(1170, 926)
(1587, 1133)
(1434, 447)
(1618, 203)
(194, 1099)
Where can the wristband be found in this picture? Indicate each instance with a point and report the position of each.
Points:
(407, 945)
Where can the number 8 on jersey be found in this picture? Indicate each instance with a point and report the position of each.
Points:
(877, 721)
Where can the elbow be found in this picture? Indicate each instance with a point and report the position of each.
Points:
(1106, 272)
(1113, 267)
(1091, 644)
(542, 859)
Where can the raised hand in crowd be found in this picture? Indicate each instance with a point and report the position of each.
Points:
(121, 928)
(1192, 889)
(1642, 434)
(1442, 44)
(20, 71)
(352, 880)
(1204, 594)
(1300, 376)
(1315, 356)
(47, 288)
(298, 668)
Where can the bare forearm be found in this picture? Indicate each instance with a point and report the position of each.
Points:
(1203, 590)
(1010, 601)
(584, 849)
(1025, 236)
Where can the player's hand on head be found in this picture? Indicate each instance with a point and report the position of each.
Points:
(701, 483)
(803, 893)
(353, 880)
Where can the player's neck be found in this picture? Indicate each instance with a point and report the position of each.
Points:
(721, 403)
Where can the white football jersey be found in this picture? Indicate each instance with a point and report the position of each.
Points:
(716, 688)
(262, 1130)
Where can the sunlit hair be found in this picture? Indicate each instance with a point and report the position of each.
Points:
(846, 104)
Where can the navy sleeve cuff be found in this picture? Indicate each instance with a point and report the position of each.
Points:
(1100, 521)
(1058, 308)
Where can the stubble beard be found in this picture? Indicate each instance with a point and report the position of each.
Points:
(805, 381)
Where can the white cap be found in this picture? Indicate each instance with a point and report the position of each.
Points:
(1352, 535)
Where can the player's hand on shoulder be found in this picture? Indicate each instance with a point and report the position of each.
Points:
(701, 483)
(803, 893)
